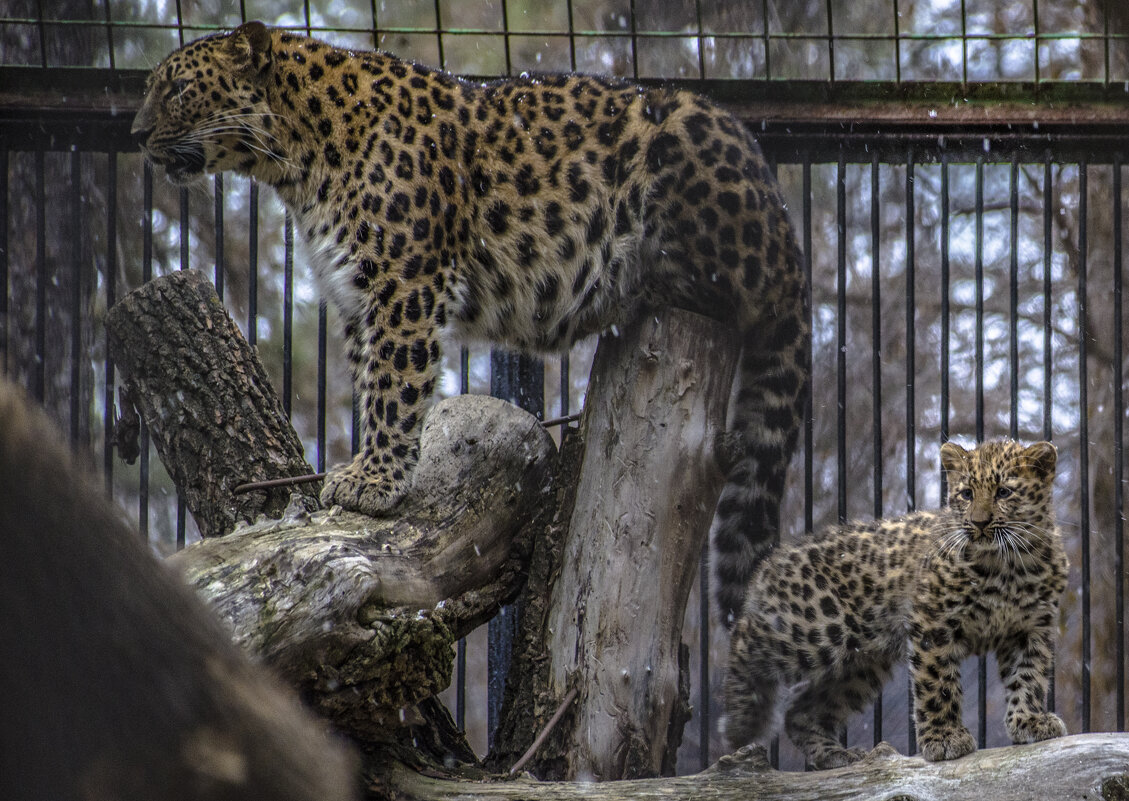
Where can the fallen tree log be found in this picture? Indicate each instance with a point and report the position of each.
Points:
(361, 613)
(1084, 767)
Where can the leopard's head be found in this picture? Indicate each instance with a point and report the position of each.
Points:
(205, 107)
(1001, 493)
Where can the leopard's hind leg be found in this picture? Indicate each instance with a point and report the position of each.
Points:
(817, 714)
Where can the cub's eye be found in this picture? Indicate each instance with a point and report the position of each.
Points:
(965, 494)
(1003, 492)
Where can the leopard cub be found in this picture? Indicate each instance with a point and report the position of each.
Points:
(826, 619)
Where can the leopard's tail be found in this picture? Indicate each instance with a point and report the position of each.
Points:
(770, 405)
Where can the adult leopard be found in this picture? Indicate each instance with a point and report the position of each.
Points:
(529, 211)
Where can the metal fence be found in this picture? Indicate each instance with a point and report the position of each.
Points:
(966, 265)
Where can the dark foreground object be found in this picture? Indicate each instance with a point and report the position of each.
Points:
(117, 683)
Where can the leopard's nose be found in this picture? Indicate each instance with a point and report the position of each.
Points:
(140, 136)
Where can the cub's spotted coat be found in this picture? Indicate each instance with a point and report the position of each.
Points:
(529, 212)
(825, 620)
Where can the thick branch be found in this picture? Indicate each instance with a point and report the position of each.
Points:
(213, 414)
(1079, 768)
(361, 613)
(618, 582)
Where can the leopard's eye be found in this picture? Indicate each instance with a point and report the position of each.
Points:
(1003, 492)
(965, 494)
(176, 88)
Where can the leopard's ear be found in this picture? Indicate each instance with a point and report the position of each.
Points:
(1042, 458)
(954, 458)
(249, 46)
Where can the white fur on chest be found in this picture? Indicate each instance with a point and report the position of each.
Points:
(333, 272)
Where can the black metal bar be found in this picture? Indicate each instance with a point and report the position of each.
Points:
(1013, 298)
(75, 224)
(288, 315)
(185, 230)
(911, 422)
(253, 266)
(945, 320)
(876, 367)
(323, 380)
(460, 650)
(1118, 453)
(981, 660)
(634, 39)
(830, 43)
(146, 276)
(4, 188)
(520, 380)
(809, 401)
(181, 521)
(841, 336)
(39, 387)
(704, 728)
(439, 34)
(110, 275)
(185, 261)
(979, 281)
(218, 214)
(1048, 397)
(1084, 437)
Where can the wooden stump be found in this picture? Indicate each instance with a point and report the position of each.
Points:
(214, 416)
(617, 582)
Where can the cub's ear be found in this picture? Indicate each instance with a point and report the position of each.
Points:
(1042, 458)
(954, 458)
(249, 46)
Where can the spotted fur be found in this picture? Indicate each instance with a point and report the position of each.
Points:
(528, 212)
(825, 620)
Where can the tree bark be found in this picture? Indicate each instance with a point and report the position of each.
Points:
(618, 580)
(1079, 768)
(358, 613)
(215, 418)
(361, 613)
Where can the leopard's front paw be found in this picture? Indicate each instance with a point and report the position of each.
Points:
(1034, 727)
(945, 742)
(352, 487)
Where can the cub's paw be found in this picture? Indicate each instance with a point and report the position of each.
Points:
(1034, 727)
(837, 758)
(949, 742)
(351, 487)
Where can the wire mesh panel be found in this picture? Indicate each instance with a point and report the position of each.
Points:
(896, 41)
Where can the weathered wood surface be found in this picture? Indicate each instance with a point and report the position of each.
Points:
(361, 613)
(617, 583)
(210, 407)
(1084, 767)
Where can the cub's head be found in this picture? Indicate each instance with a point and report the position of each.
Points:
(1002, 492)
(205, 109)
